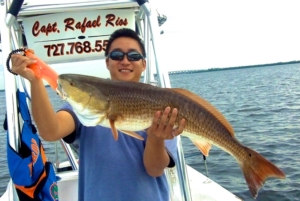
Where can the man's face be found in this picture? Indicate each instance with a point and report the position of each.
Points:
(125, 70)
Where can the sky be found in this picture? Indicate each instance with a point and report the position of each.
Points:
(224, 33)
(230, 33)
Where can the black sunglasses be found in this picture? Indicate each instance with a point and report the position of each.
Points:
(119, 56)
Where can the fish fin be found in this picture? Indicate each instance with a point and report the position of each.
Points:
(257, 169)
(202, 145)
(113, 129)
(208, 106)
(133, 134)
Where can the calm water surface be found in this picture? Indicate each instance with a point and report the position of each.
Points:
(263, 106)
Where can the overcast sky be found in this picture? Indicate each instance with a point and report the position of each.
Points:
(226, 33)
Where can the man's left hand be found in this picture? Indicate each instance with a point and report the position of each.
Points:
(162, 128)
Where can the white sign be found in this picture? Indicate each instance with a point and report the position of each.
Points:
(74, 35)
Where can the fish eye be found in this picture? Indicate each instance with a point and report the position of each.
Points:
(72, 83)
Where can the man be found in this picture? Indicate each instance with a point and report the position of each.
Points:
(127, 169)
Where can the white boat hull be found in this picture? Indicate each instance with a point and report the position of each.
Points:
(202, 188)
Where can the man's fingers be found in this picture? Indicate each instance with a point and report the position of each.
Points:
(156, 118)
(21, 61)
(163, 123)
(164, 117)
(27, 62)
(173, 118)
(180, 128)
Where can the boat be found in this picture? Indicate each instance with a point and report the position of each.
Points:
(35, 24)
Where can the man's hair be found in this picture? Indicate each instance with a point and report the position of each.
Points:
(125, 32)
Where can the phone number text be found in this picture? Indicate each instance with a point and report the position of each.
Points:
(75, 48)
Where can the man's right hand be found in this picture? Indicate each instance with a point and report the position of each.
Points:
(20, 65)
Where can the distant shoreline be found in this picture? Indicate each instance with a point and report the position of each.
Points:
(252, 66)
(231, 68)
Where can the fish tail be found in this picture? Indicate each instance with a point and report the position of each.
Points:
(258, 169)
(43, 71)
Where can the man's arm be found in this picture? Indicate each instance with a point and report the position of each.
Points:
(156, 158)
(52, 126)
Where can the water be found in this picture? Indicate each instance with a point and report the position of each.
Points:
(263, 106)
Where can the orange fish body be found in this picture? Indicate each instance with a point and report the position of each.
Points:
(43, 71)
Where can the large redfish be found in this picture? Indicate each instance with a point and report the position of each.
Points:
(130, 107)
